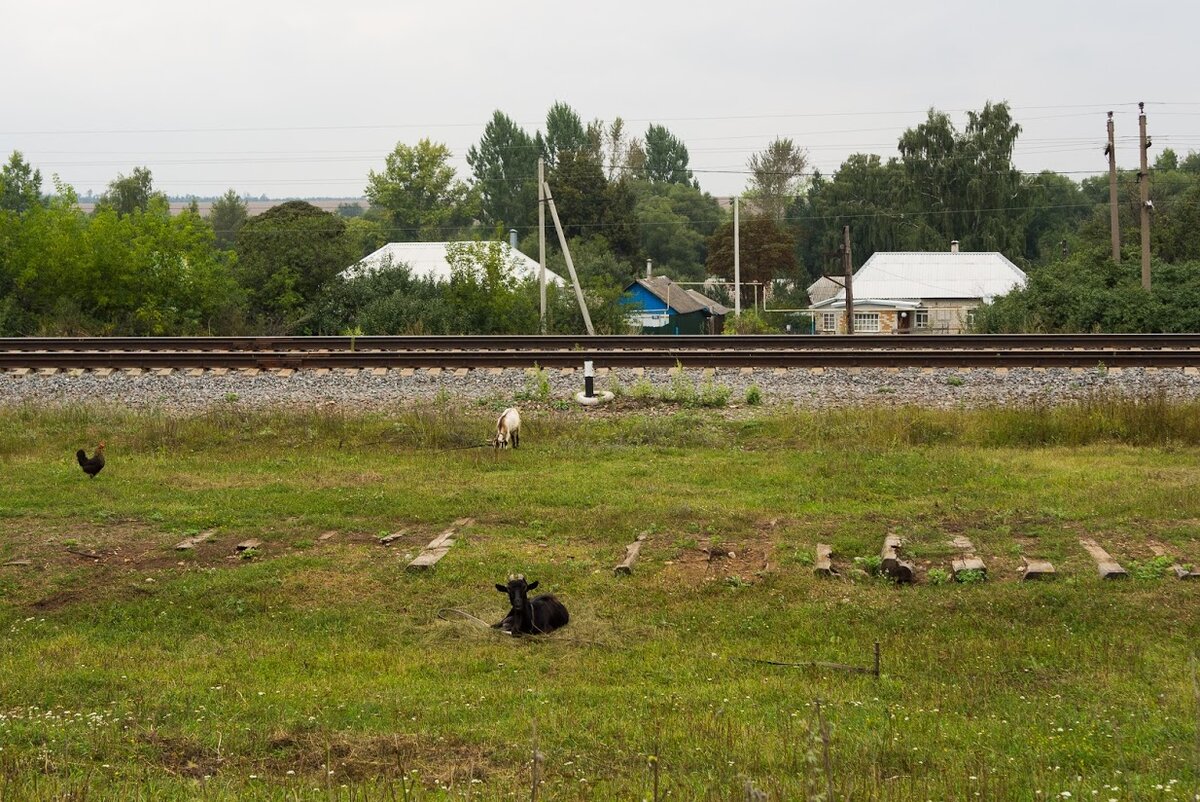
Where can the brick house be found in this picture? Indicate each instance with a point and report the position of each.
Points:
(916, 293)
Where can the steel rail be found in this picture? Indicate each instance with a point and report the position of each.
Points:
(612, 342)
(604, 358)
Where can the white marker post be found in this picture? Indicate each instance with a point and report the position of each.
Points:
(588, 397)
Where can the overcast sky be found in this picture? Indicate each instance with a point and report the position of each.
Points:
(302, 98)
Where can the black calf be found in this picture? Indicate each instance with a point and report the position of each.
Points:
(536, 616)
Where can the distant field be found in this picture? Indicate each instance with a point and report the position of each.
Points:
(317, 667)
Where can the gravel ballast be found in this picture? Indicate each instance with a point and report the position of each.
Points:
(801, 387)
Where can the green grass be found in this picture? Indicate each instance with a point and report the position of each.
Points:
(184, 675)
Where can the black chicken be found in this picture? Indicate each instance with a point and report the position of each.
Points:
(93, 465)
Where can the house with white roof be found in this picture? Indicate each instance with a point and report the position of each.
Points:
(908, 293)
(428, 260)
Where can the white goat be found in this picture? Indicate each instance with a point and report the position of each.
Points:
(508, 429)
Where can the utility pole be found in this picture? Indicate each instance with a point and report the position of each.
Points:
(848, 268)
(562, 241)
(1114, 217)
(1144, 185)
(737, 262)
(542, 239)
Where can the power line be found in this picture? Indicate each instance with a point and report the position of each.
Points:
(427, 125)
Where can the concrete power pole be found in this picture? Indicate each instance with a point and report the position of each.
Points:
(1114, 217)
(737, 262)
(848, 268)
(1144, 186)
(562, 242)
(542, 240)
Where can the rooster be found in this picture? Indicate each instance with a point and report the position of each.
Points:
(93, 465)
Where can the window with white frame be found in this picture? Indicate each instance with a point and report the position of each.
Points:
(921, 320)
(970, 317)
(866, 321)
(829, 321)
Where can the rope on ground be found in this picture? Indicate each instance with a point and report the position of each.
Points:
(812, 664)
(464, 614)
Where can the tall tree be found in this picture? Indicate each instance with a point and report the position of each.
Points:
(504, 165)
(675, 221)
(286, 254)
(965, 185)
(420, 194)
(564, 132)
(580, 192)
(20, 184)
(776, 176)
(865, 193)
(767, 252)
(226, 216)
(666, 157)
(130, 193)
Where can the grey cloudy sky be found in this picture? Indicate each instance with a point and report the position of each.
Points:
(302, 98)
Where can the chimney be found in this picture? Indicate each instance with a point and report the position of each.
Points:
(649, 268)
(512, 238)
(953, 246)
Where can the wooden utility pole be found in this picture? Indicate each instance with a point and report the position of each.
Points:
(737, 262)
(1144, 186)
(1114, 217)
(542, 240)
(848, 269)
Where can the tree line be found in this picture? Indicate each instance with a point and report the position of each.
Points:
(131, 267)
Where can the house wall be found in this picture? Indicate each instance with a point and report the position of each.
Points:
(946, 316)
(650, 304)
(949, 315)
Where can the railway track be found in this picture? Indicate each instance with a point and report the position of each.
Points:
(265, 353)
(640, 343)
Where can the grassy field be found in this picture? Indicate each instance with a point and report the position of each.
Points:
(317, 667)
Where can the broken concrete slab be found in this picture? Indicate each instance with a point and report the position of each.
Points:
(1038, 569)
(890, 562)
(823, 565)
(195, 540)
(967, 564)
(246, 545)
(967, 561)
(326, 535)
(1180, 571)
(389, 539)
(1105, 564)
(439, 547)
(625, 567)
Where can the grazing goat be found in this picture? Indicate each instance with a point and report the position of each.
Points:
(508, 428)
(536, 616)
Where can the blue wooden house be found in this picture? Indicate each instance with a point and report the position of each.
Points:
(660, 306)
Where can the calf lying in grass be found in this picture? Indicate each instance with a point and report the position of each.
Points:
(536, 616)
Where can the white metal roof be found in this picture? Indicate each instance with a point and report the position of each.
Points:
(428, 260)
(920, 276)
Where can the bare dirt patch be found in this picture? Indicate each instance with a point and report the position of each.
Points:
(746, 557)
(358, 757)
